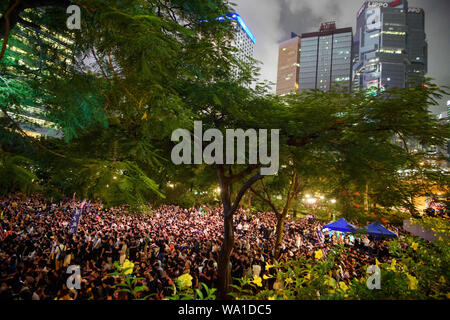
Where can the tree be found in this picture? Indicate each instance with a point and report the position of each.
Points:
(122, 96)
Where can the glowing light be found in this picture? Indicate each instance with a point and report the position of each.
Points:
(244, 27)
(308, 196)
(312, 201)
(333, 201)
(237, 17)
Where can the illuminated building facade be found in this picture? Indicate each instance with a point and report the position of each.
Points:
(390, 48)
(34, 49)
(288, 65)
(326, 58)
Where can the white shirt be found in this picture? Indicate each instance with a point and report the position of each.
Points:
(256, 270)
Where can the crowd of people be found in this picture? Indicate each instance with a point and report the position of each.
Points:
(36, 248)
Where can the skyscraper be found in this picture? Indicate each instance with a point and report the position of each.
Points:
(244, 41)
(33, 51)
(389, 44)
(325, 58)
(288, 65)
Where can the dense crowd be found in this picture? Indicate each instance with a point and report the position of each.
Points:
(36, 248)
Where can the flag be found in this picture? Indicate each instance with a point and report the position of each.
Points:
(76, 218)
(83, 204)
(74, 221)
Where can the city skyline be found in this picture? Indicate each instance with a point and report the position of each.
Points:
(272, 22)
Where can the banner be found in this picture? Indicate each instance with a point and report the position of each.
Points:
(76, 218)
(74, 222)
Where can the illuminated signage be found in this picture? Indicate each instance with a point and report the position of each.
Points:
(373, 4)
(414, 10)
(396, 3)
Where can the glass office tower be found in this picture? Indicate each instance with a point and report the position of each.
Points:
(389, 45)
(325, 58)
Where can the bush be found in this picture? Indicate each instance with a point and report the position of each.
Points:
(418, 270)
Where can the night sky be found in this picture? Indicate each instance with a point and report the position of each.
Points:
(271, 21)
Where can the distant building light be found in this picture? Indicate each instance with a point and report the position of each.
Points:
(237, 17)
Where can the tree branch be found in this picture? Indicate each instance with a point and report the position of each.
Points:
(237, 177)
(265, 200)
(244, 189)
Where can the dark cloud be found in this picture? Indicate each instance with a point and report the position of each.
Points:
(272, 21)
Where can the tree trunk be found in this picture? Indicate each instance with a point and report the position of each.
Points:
(281, 217)
(224, 279)
(366, 198)
(279, 234)
(229, 208)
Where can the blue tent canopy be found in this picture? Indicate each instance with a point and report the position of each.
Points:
(377, 229)
(341, 225)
